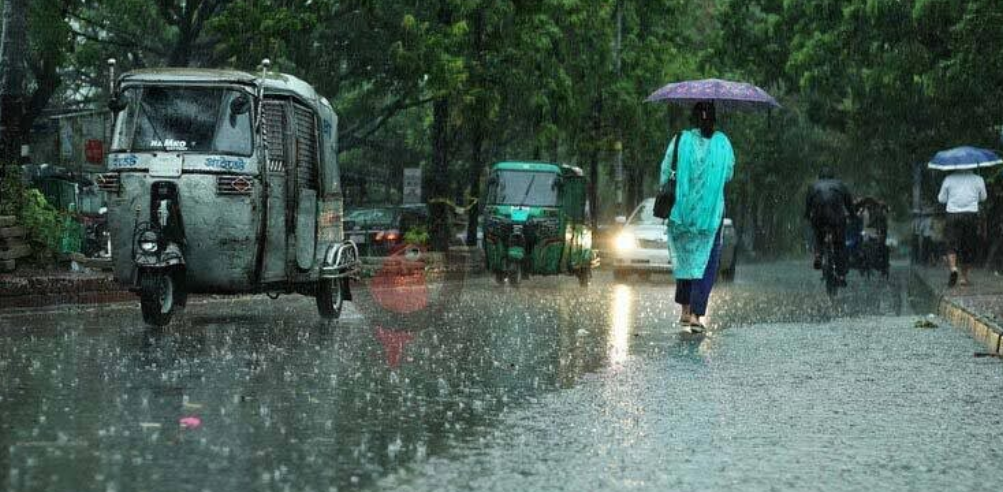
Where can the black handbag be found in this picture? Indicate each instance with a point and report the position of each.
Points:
(666, 197)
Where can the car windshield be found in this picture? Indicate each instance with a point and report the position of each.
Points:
(183, 119)
(524, 188)
(644, 215)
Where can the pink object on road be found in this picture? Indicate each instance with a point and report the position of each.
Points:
(190, 422)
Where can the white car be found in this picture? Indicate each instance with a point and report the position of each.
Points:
(642, 245)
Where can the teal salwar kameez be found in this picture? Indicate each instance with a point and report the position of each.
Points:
(704, 166)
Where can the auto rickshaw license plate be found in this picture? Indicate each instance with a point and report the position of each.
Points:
(165, 166)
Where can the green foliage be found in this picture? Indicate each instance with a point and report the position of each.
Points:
(870, 87)
(44, 223)
(416, 235)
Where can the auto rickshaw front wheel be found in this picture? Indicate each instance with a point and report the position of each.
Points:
(330, 298)
(515, 273)
(584, 276)
(160, 291)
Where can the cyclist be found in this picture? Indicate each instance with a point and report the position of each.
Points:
(828, 207)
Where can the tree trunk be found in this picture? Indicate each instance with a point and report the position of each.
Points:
(476, 168)
(440, 175)
(594, 161)
(477, 133)
(13, 55)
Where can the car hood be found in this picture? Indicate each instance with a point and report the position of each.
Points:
(651, 232)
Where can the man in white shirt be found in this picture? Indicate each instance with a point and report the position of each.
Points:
(961, 192)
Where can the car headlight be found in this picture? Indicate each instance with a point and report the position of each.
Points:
(626, 241)
(149, 242)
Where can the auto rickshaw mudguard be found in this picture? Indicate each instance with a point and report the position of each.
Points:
(341, 261)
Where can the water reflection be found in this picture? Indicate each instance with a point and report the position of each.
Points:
(282, 400)
(621, 321)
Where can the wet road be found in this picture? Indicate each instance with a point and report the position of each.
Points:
(547, 387)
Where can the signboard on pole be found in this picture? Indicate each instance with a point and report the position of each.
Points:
(412, 185)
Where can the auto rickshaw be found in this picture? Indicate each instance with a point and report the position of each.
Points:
(536, 222)
(225, 182)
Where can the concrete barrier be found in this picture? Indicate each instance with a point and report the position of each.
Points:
(984, 330)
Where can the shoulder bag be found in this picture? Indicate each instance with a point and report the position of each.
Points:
(666, 197)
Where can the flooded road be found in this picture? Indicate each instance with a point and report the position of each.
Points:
(545, 387)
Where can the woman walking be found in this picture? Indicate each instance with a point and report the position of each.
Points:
(704, 165)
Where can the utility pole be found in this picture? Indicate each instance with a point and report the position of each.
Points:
(618, 146)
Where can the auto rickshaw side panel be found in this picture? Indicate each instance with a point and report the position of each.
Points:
(313, 195)
(578, 240)
(330, 217)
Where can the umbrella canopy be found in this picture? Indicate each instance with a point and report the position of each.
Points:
(960, 158)
(736, 96)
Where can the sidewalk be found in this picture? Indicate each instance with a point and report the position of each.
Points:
(977, 308)
(32, 288)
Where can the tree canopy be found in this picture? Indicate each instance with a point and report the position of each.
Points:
(870, 87)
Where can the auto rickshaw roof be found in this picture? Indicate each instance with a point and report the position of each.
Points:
(275, 83)
(527, 166)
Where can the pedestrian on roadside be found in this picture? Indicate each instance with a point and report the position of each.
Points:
(704, 164)
(961, 192)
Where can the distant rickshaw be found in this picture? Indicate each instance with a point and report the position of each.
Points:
(536, 222)
(225, 182)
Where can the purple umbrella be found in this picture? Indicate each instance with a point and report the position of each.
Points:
(727, 95)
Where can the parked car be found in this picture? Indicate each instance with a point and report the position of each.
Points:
(641, 247)
(379, 231)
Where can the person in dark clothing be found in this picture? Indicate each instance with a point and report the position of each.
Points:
(828, 206)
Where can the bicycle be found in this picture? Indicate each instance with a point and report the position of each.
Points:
(829, 274)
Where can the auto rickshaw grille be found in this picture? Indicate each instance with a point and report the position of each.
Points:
(306, 147)
(234, 185)
(275, 123)
(109, 182)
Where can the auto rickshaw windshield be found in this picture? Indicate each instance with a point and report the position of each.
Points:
(184, 119)
(524, 188)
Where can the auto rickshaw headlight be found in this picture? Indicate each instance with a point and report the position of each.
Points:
(149, 242)
(626, 241)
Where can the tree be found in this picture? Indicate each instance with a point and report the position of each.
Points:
(13, 64)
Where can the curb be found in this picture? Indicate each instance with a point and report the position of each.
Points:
(983, 330)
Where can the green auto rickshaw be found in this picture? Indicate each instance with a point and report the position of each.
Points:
(535, 222)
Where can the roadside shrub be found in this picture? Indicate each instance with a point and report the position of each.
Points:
(417, 235)
(44, 223)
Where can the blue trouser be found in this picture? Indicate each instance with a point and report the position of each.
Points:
(696, 292)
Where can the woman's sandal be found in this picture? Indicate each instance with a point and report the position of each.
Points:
(696, 326)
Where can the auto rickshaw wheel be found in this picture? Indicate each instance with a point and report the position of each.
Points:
(514, 273)
(330, 298)
(499, 277)
(584, 276)
(157, 296)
